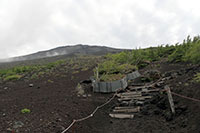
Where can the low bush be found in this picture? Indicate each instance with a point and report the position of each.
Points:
(188, 51)
(111, 77)
(23, 111)
(12, 77)
(197, 78)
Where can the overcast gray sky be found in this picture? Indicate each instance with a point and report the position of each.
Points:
(28, 26)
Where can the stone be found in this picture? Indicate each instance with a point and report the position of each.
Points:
(30, 85)
(84, 95)
(168, 116)
(9, 129)
(18, 124)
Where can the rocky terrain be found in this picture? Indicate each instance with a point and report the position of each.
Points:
(53, 102)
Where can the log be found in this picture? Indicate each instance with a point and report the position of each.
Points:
(126, 107)
(145, 90)
(152, 90)
(136, 88)
(134, 98)
(127, 110)
(129, 93)
(130, 96)
(122, 116)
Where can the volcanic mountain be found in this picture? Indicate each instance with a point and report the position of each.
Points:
(69, 50)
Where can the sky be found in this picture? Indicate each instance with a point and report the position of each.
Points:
(28, 26)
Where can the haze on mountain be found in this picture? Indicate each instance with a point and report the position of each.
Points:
(68, 50)
(29, 26)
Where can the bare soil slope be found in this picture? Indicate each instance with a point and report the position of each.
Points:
(54, 104)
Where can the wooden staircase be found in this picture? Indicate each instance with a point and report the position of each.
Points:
(132, 100)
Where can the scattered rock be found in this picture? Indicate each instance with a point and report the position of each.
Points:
(58, 119)
(4, 114)
(162, 104)
(18, 124)
(174, 75)
(5, 88)
(180, 109)
(157, 112)
(183, 123)
(84, 95)
(168, 116)
(31, 85)
(9, 129)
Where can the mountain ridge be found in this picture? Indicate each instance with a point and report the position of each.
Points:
(68, 50)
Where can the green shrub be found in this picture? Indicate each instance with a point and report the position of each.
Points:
(178, 54)
(111, 77)
(24, 111)
(197, 78)
(127, 68)
(50, 81)
(12, 77)
(109, 67)
(188, 51)
(34, 76)
(193, 54)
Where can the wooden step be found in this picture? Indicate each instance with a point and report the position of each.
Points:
(136, 88)
(134, 98)
(129, 93)
(137, 103)
(126, 109)
(122, 116)
(130, 96)
(145, 90)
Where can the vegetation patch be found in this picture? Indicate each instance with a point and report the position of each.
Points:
(197, 78)
(188, 51)
(12, 77)
(111, 77)
(25, 111)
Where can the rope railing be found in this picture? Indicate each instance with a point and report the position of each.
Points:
(92, 114)
(102, 105)
(182, 96)
(185, 97)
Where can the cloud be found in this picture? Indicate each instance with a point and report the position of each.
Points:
(28, 26)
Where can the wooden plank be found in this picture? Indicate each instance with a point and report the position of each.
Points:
(153, 90)
(127, 110)
(131, 96)
(170, 98)
(146, 90)
(122, 116)
(126, 107)
(136, 88)
(129, 93)
(135, 98)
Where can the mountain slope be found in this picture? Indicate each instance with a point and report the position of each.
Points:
(67, 50)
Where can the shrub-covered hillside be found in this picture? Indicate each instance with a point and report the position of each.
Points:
(116, 65)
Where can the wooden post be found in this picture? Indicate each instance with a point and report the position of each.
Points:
(97, 69)
(169, 94)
